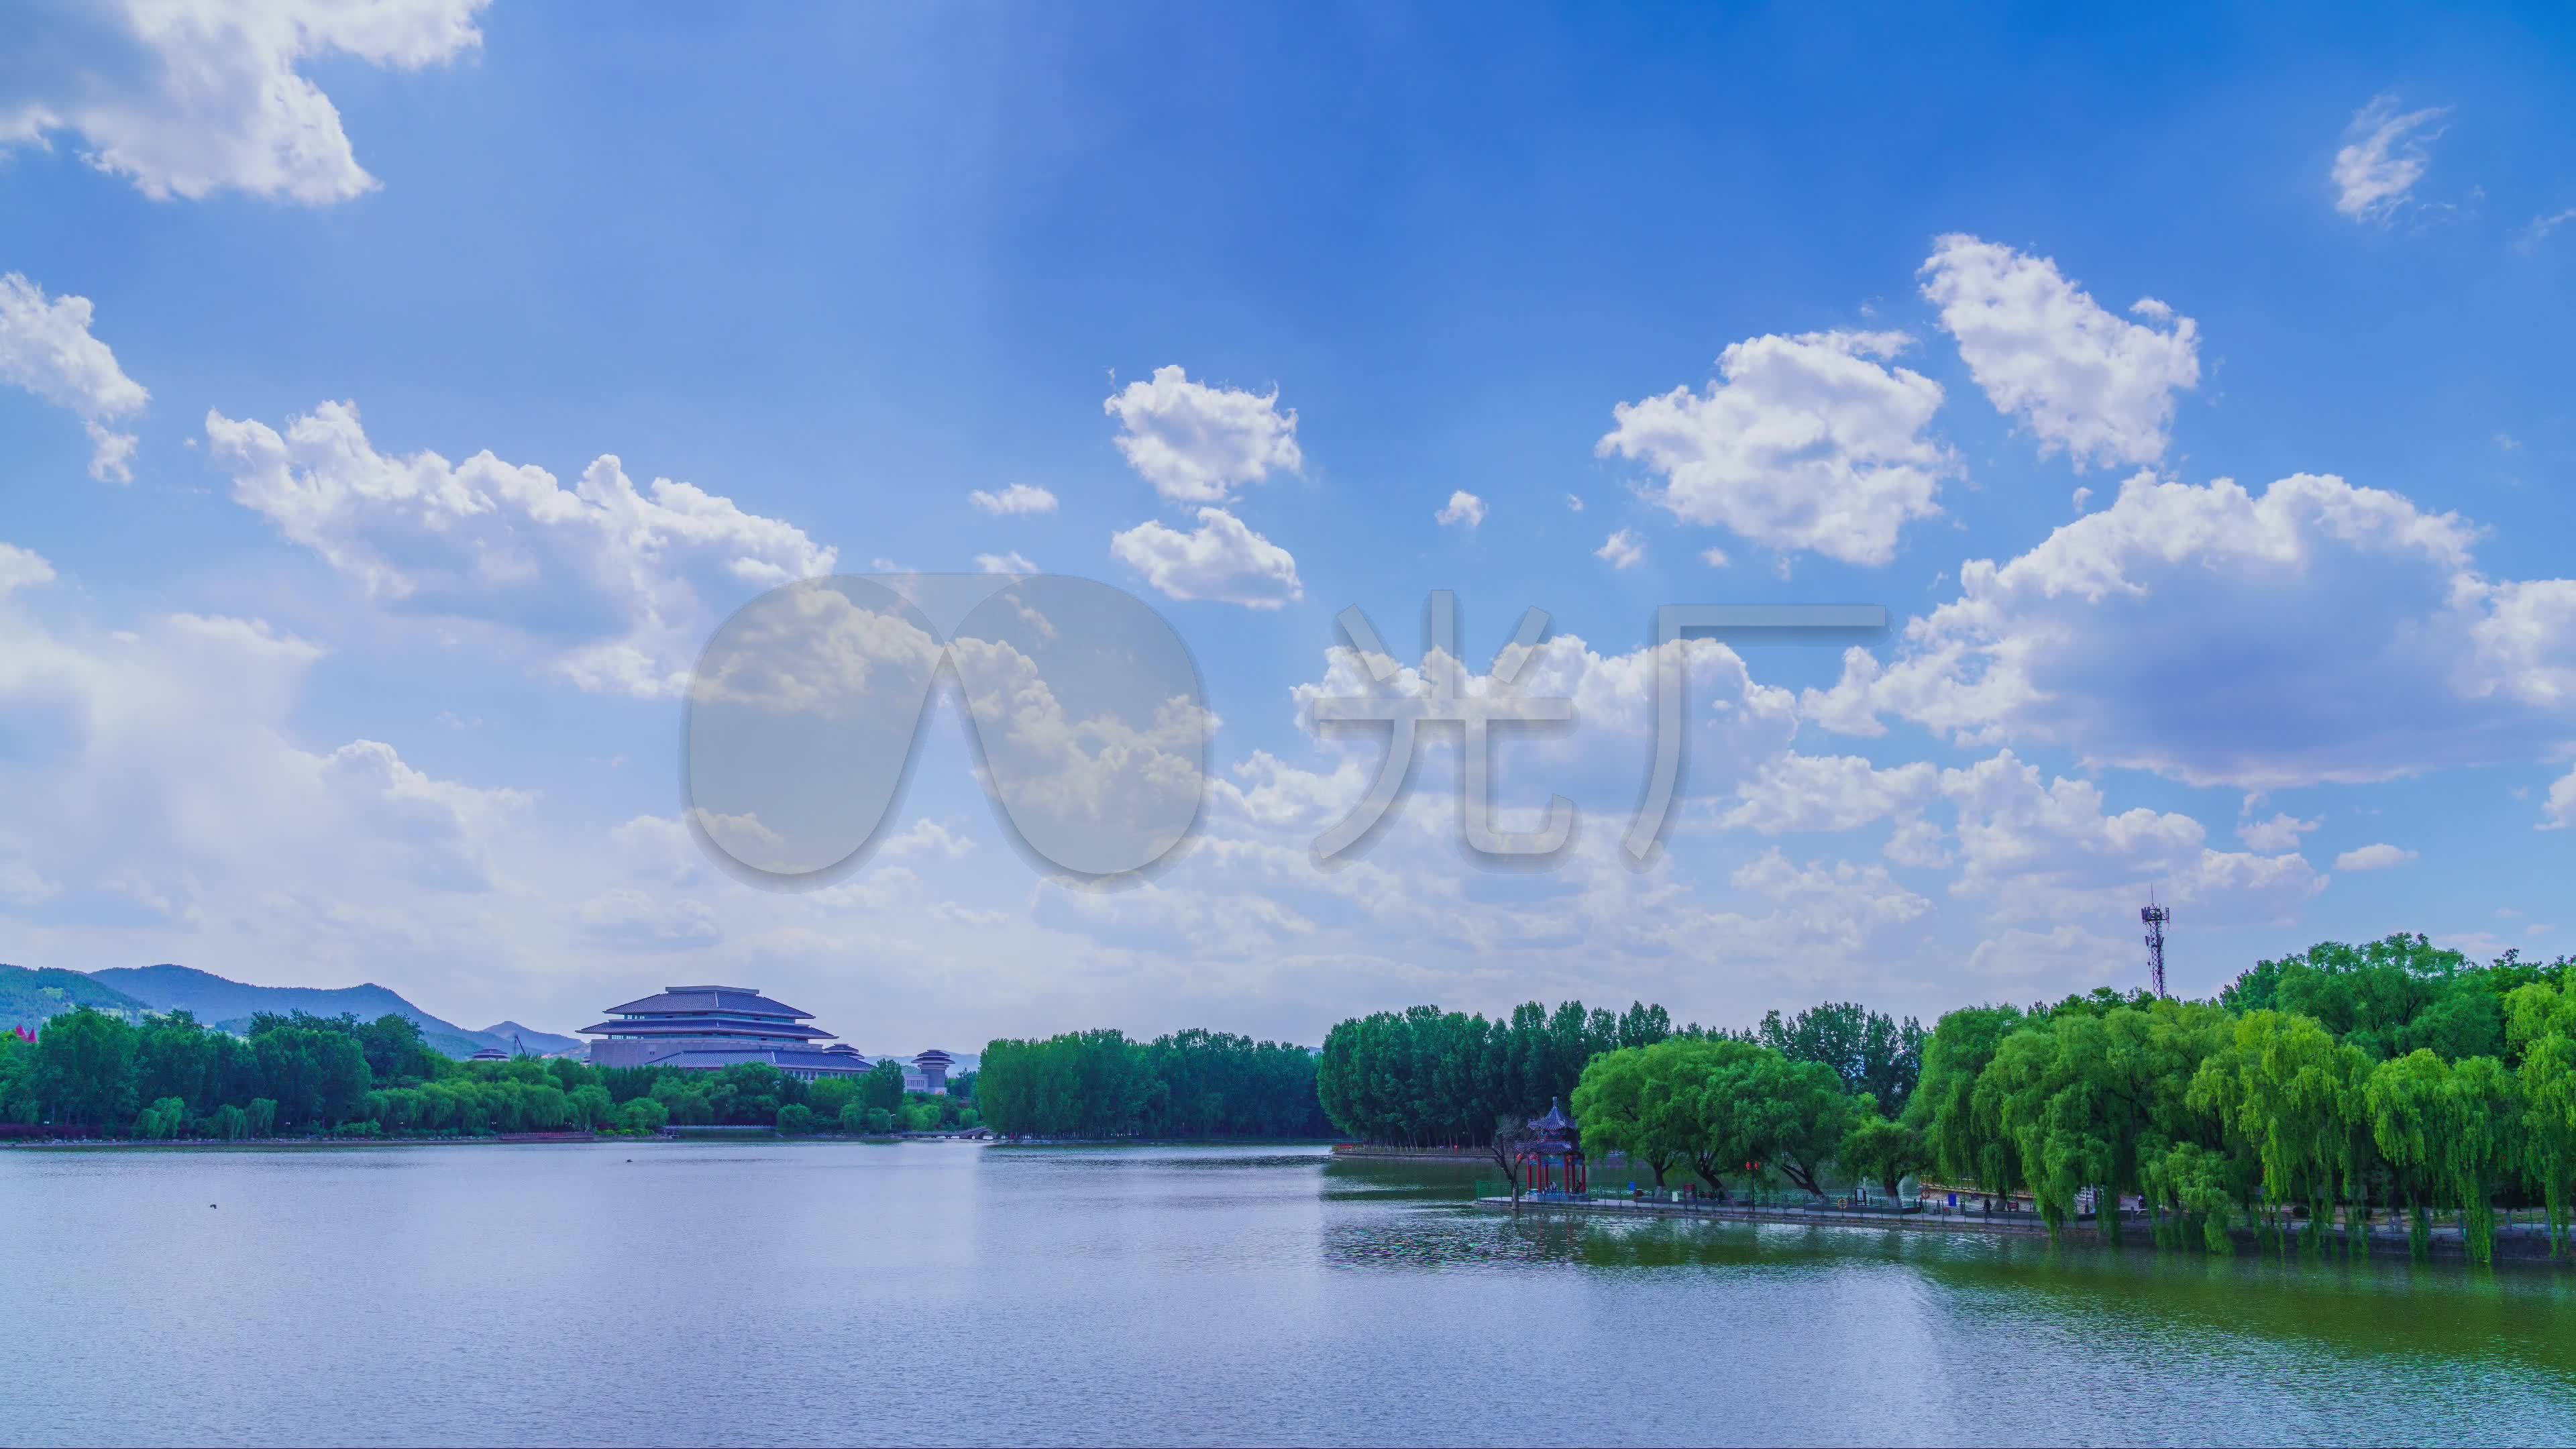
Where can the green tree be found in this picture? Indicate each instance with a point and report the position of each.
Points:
(796, 1119)
(1884, 1150)
(883, 1086)
(1870, 1051)
(643, 1114)
(85, 1068)
(1967, 1143)
(591, 1107)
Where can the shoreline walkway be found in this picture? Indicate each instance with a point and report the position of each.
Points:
(2524, 1244)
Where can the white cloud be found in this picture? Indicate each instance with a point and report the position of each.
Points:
(2219, 637)
(1004, 563)
(1197, 443)
(1622, 550)
(1018, 498)
(1919, 843)
(2279, 833)
(2052, 359)
(2528, 240)
(22, 569)
(629, 919)
(609, 585)
(1714, 557)
(188, 99)
(152, 783)
(46, 348)
(926, 837)
(1221, 561)
(1574, 503)
(2384, 154)
(2054, 852)
(1802, 443)
(1463, 508)
(1829, 792)
(2373, 857)
(2558, 812)
(2060, 954)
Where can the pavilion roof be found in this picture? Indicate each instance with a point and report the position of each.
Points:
(683, 1000)
(765, 1029)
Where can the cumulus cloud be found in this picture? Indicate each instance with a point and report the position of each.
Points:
(1221, 561)
(1197, 443)
(2054, 851)
(1800, 443)
(22, 569)
(152, 782)
(2385, 153)
(1018, 498)
(2373, 857)
(2081, 379)
(2279, 833)
(190, 99)
(2222, 637)
(611, 585)
(46, 348)
(1622, 550)
(2557, 813)
(1829, 792)
(1463, 509)
(927, 837)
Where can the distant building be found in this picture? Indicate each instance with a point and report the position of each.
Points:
(709, 1028)
(931, 1068)
(490, 1054)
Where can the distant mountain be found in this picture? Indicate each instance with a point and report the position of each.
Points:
(230, 1004)
(28, 996)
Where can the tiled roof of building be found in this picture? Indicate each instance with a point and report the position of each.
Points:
(783, 1058)
(679, 1000)
(761, 1029)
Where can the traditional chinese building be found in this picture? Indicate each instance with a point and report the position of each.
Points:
(1551, 1154)
(932, 1068)
(709, 1028)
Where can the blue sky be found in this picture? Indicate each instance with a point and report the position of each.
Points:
(1857, 304)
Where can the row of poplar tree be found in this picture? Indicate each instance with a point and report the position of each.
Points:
(1195, 1083)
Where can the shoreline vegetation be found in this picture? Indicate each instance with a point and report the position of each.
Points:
(2342, 1085)
(2392, 1082)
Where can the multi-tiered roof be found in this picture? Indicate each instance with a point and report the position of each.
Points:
(709, 1027)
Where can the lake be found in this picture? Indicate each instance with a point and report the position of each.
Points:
(958, 1293)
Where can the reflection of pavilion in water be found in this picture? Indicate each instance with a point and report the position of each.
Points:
(1550, 1160)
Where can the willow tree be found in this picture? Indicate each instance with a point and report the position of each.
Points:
(2406, 1099)
(2478, 1149)
(1965, 1143)
(2080, 1095)
(1622, 1103)
(2546, 1081)
(2290, 1092)
(1884, 1150)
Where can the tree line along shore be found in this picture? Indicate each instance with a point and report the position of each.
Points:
(173, 1078)
(2314, 1091)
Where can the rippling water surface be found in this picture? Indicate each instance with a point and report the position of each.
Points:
(952, 1293)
